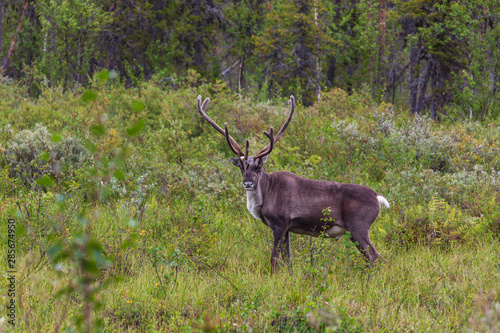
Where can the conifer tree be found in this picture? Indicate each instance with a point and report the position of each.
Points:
(289, 43)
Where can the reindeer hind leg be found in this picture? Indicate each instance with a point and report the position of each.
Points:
(365, 246)
(358, 225)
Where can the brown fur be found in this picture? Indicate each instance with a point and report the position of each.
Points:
(288, 203)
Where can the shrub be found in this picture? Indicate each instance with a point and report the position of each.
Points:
(33, 153)
(317, 320)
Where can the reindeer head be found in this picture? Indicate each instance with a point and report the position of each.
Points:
(250, 166)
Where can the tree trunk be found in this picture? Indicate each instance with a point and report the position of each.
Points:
(414, 74)
(305, 70)
(352, 65)
(318, 64)
(240, 74)
(198, 44)
(381, 73)
(434, 92)
(393, 86)
(11, 49)
(484, 23)
(330, 72)
(198, 59)
(382, 28)
(370, 54)
(350, 71)
(421, 99)
(1, 24)
(270, 89)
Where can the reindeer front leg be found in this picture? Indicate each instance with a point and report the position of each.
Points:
(286, 248)
(280, 245)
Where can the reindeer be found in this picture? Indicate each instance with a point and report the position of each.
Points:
(288, 203)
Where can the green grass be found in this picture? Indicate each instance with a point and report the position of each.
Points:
(152, 232)
(417, 289)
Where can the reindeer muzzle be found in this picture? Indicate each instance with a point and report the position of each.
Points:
(249, 186)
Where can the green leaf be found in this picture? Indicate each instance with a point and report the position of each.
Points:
(89, 96)
(90, 266)
(127, 243)
(119, 158)
(82, 220)
(60, 198)
(118, 174)
(138, 106)
(55, 251)
(96, 249)
(103, 75)
(56, 138)
(45, 181)
(98, 130)
(105, 192)
(61, 201)
(45, 156)
(93, 171)
(134, 130)
(91, 147)
(20, 229)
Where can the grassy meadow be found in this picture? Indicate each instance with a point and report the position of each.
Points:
(130, 217)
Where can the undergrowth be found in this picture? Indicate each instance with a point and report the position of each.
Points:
(130, 216)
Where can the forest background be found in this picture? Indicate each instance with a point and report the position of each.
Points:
(121, 211)
(438, 56)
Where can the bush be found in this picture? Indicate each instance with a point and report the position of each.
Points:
(33, 153)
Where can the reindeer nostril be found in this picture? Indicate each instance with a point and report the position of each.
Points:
(248, 184)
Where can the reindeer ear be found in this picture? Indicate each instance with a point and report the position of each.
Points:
(236, 161)
(262, 160)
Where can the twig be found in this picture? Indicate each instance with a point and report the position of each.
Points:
(432, 314)
(231, 67)
(39, 203)
(222, 276)
(398, 76)
(175, 280)
(35, 268)
(13, 44)
(159, 278)
(218, 273)
(60, 321)
(263, 233)
(21, 210)
(227, 256)
(311, 249)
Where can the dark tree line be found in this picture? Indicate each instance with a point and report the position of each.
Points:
(436, 56)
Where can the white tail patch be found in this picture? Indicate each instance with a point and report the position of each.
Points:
(383, 201)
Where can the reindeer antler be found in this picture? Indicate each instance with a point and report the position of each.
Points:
(230, 141)
(269, 147)
(233, 144)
